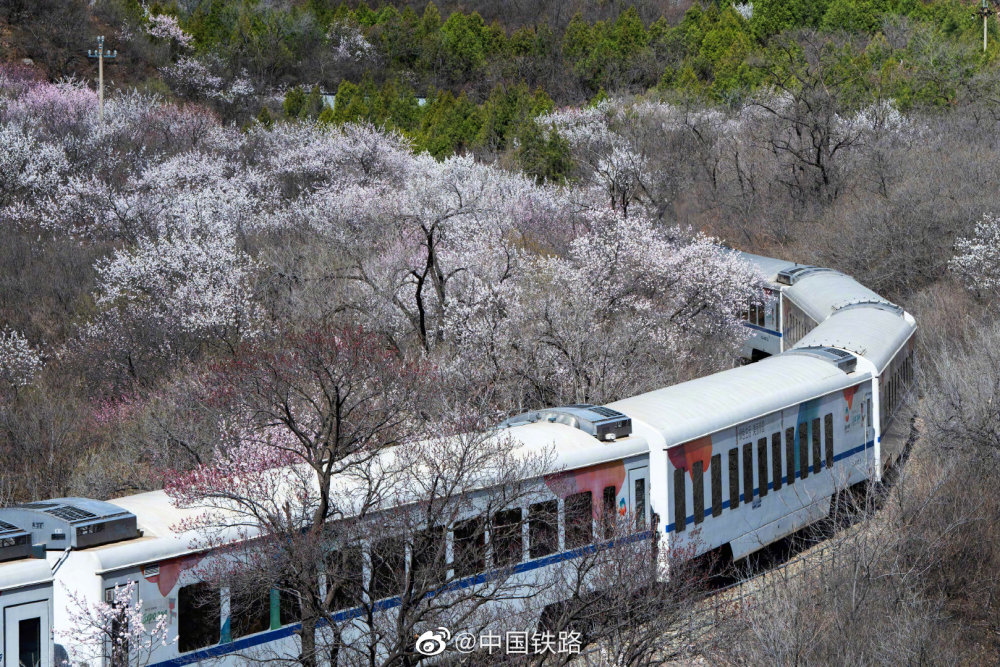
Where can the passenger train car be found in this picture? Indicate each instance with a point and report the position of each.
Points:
(732, 461)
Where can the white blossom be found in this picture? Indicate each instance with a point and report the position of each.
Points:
(193, 76)
(613, 162)
(349, 45)
(193, 285)
(166, 27)
(19, 361)
(977, 257)
(28, 168)
(744, 9)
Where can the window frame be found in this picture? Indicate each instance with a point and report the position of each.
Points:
(543, 527)
(508, 533)
(581, 504)
(734, 478)
(828, 435)
(199, 599)
(804, 450)
(698, 491)
(748, 472)
(776, 459)
(680, 500)
(716, 467)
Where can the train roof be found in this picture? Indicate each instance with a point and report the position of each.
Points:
(160, 519)
(693, 409)
(769, 266)
(822, 293)
(24, 572)
(874, 331)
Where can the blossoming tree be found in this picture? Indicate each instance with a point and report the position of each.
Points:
(115, 630)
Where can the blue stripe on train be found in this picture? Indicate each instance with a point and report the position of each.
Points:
(347, 614)
(763, 329)
(784, 480)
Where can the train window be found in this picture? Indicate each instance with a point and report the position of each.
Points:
(344, 572)
(698, 491)
(388, 567)
(505, 537)
(828, 433)
(609, 509)
(543, 528)
(429, 551)
(869, 425)
(716, 467)
(198, 617)
(762, 466)
(680, 511)
(776, 459)
(289, 609)
(579, 510)
(790, 454)
(747, 472)
(469, 547)
(640, 503)
(116, 625)
(804, 450)
(29, 641)
(817, 452)
(249, 609)
(734, 478)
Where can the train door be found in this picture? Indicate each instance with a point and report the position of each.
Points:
(26, 635)
(638, 495)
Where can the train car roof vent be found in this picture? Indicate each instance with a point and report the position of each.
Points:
(599, 421)
(845, 361)
(792, 275)
(62, 523)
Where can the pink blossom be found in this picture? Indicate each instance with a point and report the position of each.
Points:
(114, 629)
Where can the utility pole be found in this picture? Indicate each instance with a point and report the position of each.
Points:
(985, 12)
(101, 54)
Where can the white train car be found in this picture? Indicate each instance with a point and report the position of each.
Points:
(753, 454)
(25, 601)
(595, 477)
(732, 461)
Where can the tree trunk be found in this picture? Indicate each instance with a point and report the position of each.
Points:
(308, 655)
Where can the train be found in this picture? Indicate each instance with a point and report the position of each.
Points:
(732, 461)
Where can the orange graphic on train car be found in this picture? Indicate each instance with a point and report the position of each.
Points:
(686, 455)
(594, 479)
(169, 571)
(849, 397)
